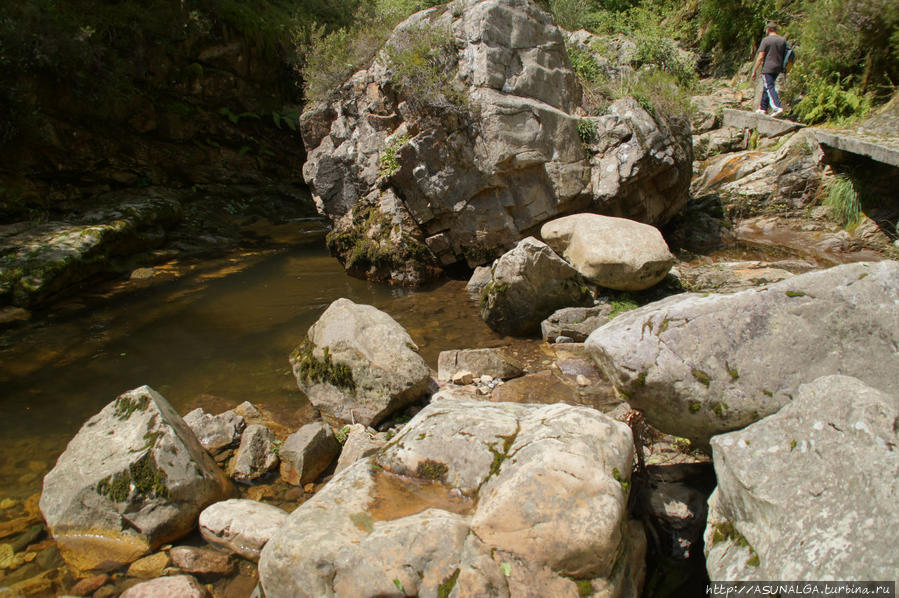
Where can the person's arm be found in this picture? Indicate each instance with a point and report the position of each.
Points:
(758, 64)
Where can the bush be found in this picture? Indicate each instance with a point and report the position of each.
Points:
(664, 54)
(424, 66)
(843, 200)
(833, 100)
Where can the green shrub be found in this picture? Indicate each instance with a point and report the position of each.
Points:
(424, 66)
(832, 99)
(664, 54)
(388, 163)
(843, 199)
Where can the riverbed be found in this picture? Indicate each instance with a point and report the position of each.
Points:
(211, 333)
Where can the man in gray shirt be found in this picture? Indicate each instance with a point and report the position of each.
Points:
(770, 59)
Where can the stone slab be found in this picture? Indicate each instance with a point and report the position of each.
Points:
(766, 126)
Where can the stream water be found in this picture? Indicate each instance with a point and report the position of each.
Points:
(217, 334)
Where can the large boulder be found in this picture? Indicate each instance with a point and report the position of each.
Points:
(809, 493)
(699, 365)
(418, 176)
(132, 479)
(358, 364)
(615, 253)
(529, 500)
(529, 283)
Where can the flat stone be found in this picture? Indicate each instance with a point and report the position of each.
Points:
(89, 585)
(182, 586)
(476, 362)
(241, 526)
(765, 125)
(149, 566)
(202, 561)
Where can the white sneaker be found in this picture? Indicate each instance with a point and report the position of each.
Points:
(777, 112)
(760, 111)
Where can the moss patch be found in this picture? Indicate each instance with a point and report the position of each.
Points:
(694, 406)
(734, 374)
(124, 406)
(795, 294)
(363, 522)
(148, 480)
(584, 587)
(446, 587)
(701, 377)
(431, 470)
(313, 370)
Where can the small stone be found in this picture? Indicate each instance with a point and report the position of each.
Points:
(485, 379)
(13, 314)
(201, 561)
(360, 442)
(7, 503)
(27, 538)
(7, 556)
(462, 378)
(142, 274)
(247, 411)
(309, 488)
(564, 339)
(215, 432)
(582, 380)
(308, 452)
(88, 586)
(149, 566)
(256, 454)
(241, 526)
(183, 586)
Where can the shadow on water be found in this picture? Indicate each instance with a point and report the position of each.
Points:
(218, 335)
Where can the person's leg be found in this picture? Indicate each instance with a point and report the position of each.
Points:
(771, 91)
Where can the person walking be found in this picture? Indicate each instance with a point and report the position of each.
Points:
(770, 58)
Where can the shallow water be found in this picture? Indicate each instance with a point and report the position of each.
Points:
(216, 335)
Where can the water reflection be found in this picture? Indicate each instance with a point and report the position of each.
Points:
(218, 335)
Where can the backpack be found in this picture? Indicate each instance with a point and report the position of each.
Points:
(789, 59)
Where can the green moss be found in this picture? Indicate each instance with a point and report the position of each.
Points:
(753, 560)
(431, 470)
(795, 294)
(584, 587)
(625, 484)
(313, 370)
(622, 304)
(664, 326)
(148, 479)
(115, 487)
(695, 406)
(446, 587)
(641, 380)
(701, 377)
(767, 392)
(792, 444)
(719, 409)
(124, 406)
(734, 374)
(341, 434)
(500, 455)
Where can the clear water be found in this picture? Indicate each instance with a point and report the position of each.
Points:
(215, 336)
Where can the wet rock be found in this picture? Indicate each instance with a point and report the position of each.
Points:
(183, 586)
(132, 479)
(241, 526)
(360, 443)
(307, 452)
(614, 253)
(215, 432)
(358, 364)
(480, 278)
(149, 567)
(467, 495)
(31, 535)
(529, 283)
(89, 585)
(574, 324)
(497, 156)
(757, 182)
(809, 492)
(40, 260)
(702, 365)
(728, 277)
(256, 455)
(248, 411)
(202, 561)
(477, 362)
